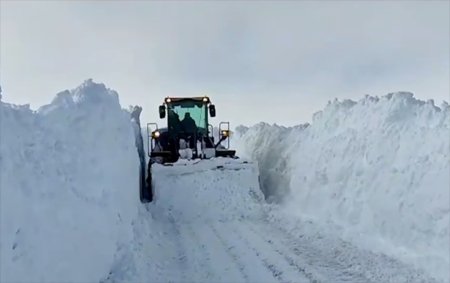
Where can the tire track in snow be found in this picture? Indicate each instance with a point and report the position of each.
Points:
(288, 258)
(285, 244)
(284, 272)
(223, 264)
(203, 257)
(182, 256)
(233, 255)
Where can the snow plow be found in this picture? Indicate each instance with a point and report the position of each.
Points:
(186, 141)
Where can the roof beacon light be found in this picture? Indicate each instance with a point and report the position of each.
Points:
(205, 99)
(168, 100)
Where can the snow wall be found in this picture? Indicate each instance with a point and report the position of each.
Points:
(69, 185)
(377, 168)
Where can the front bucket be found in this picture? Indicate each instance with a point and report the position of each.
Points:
(208, 188)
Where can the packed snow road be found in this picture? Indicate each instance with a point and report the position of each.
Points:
(235, 251)
(209, 223)
(251, 250)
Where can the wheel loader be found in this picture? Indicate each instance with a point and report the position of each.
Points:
(187, 135)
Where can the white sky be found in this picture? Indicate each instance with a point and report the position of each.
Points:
(258, 61)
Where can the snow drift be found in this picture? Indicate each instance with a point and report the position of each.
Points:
(69, 184)
(378, 168)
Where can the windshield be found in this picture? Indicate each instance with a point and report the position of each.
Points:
(181, 110)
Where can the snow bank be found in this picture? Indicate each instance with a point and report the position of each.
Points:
(69, 186)
(378, 167)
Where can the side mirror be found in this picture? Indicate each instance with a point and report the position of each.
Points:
(162, 111)
(212, 110)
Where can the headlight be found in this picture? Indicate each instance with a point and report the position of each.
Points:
(225, 133)
(156, 134)
(168, 100)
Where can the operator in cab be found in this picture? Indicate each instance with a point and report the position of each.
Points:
(190, 129)
(188, 124)
(174, 122)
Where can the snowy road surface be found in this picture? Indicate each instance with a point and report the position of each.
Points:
(235, 251)
(196, 232)
(251, 250)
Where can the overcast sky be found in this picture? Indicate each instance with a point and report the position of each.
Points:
(258, 61)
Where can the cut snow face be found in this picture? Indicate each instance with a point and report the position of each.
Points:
(378, 168)
(69, 186)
